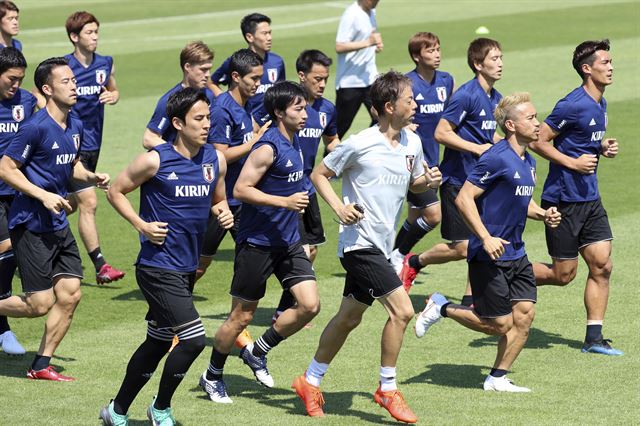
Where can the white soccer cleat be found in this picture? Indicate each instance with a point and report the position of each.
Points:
(430, 314)
(396, 261)
(216, 389)
(10, 344)
(502, 384)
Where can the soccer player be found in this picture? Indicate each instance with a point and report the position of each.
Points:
(196, 61)
(96, 87)
(232, 134)
(466, 129)
(270, 187)
(357, 42)
(38, 163)
(180, 183)
(9, 24)
(16, 105)
(377, 166)
(313, 72)
(256, 30)
(431, 91)
(495, 201)
(577, 126)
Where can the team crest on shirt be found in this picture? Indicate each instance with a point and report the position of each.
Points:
(18, 112)
(101, 77)
(272, 73)
(442, 93)
(76, 141)
(533, 175)
(207, 172)
(323, 119)
(410, 160)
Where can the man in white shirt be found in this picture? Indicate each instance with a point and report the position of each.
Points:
(357, 43)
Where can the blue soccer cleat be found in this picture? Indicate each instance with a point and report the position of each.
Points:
(602, 347)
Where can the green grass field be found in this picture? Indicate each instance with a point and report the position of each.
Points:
(440, 375)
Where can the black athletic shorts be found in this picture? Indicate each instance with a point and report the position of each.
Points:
(169, 295)
(582, 224)
(89, 160)
(422, 200)
(310, 223)
(5, 205)
(453, 226)
(42, 257)
(369, 275)
(255, 264)
(495, 285)
(215, 233)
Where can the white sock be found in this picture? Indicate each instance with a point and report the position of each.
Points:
(388, 379)
(315, 372)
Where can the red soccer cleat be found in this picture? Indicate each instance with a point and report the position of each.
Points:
(394, 403)
(407, 274)
(107, 274)
(310, 395)
(48, 374)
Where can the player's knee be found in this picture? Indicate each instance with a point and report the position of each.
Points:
(239, 320)
(433, 218)
(403, 316)
(460, 249)
(309, 309)
(349, 322)
(502, 325)
(41, 307)
(601, 267)
(564, 277)
(194, 345)
(88, 206)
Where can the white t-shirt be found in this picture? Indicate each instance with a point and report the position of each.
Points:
(356, 68)
(376, 176)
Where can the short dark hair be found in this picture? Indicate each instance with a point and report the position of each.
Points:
(281, 95)
(180, 102)
(10, 57)
(76, 22)
(42, 74)
(387, 88)
(5, 6)
(420, 41)
(250, 22)
(243, 61)
(585, 53)
(307, 58)
(478, 50)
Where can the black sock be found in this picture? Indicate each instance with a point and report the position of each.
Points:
(467, 300)
(142, 365)
(497, 372)
(594, 333)
(286, 301)
(216, 365)
(7, 269)
(419, 229)
(40, 362)
(414, 262)
(401, 234)
(443, 310)
(176, 367)
(269, 340)
(97, 259)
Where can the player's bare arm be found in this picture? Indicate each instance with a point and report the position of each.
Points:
(110, 94)
(585, 164)
(348, 214)
(11, 174)
(330, 142)
(446, 135)
(254, 169)
(466, 203)
(151, 139)
(235, 153)
(141, 169)
(80, 173)
(220, 208)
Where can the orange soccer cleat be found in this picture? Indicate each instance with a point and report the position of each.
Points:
(310, 395)
(394, 403)
(243, 339)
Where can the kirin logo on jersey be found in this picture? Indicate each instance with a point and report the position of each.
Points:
(442, 93)
(18, 112)
(101, 77)
(272, 73)
(410, 160)
(323, 119)
(76, 141)
(207, 172)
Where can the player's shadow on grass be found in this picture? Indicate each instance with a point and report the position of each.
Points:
(261, 318)
(451, 375)
(17, 366)
(538, 339)
(135, 295)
